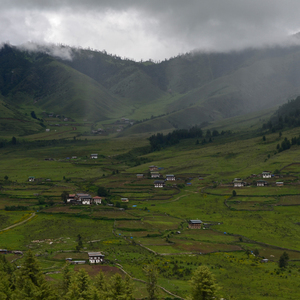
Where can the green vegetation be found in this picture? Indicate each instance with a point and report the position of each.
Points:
(204, 285)
(287, 115)
(257, 219)
(95, 90)
(149, 236)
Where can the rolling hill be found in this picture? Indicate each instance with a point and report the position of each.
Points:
(195, 88)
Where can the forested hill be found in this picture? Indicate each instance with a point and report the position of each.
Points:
(180, 92)
(287, 115)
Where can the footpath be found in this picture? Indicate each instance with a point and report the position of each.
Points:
(20, 223)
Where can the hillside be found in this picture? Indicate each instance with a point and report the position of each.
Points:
(198, 87)
(40, 81)
(191, 89)
(241, 225)
(286, 116)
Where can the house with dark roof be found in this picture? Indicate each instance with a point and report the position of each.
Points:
(170, 177)
(159, 183)
(238, 182)
(155, 175)
(266, 174)
(95, 257)
(261, 183)
(195, 224)
(153, 168)
(84, 199)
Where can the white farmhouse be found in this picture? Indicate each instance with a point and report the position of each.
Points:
(95, 257)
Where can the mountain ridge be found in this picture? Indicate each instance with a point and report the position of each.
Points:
(181, 92)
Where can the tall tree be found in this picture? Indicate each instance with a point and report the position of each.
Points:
(283, 260)
(128, 288)
(33, 115)
(6, 287)
(101, 284)
(204, 286)
(66, 278)
(117, 287)
(102, 192)
(152, 288)
(64, 196)
(80, 244)
(80, 287)
(247, 252)
(6, 284)
(30, 282)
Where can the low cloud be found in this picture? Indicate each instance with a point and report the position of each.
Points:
(60, 51)
(151, 29)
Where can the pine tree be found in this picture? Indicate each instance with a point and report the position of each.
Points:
(248, 252)
(203, 284)
(6, 266)
(117, 287)
(101, 283)
(128, 288)
(33, 115)
(5, 286)
(80, 244)
(64, 196)
(152, 288)
(66, 279)
(80, 287)
(30, 282)
(31, 269)
(256, 252)
(283, 260)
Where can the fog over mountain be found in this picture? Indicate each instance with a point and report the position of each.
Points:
(190, 89)
(151, 29)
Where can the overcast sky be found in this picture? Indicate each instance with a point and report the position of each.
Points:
(156, 29)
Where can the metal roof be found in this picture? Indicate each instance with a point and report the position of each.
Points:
(159, 181)
(95, 254)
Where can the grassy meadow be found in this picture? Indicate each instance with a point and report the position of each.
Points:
(153, 227)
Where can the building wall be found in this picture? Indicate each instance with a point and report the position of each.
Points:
(195, 226)
(267, 176)
(159, 185)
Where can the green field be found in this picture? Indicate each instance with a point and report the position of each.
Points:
(153, 227)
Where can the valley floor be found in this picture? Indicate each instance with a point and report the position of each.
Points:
(152, 228)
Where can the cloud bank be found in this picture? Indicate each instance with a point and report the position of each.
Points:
(150, 29)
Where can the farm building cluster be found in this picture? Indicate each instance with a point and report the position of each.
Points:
(94, 258)
(83, 199)
(238, 182)
(154, 173)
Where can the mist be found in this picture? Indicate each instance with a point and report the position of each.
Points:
(151, 29)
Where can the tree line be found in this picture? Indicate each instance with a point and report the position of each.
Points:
(287, 115)
(159, 140)
(287, 144)
(27, 282)
(15, 208)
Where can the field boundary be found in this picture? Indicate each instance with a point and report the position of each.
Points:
(20, 223)
(143, 281)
